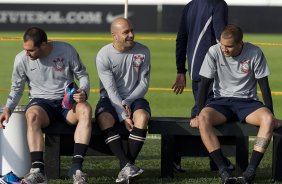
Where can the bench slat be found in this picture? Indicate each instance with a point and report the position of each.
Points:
(180, 126)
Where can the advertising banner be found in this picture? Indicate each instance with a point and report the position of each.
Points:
(146, 18)
(63, 17)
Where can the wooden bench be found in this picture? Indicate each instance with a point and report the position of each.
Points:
(59, 142)
(168, 127)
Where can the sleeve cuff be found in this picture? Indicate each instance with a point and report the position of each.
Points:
(182, 71)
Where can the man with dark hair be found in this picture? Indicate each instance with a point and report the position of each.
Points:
(235, 67)
(49, 68)
(124, 71)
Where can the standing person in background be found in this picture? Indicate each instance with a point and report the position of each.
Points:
(200, 26)
(124, 71)
(49, 69)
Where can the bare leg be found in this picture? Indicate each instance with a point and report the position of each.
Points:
(82, 117)
(264, 119)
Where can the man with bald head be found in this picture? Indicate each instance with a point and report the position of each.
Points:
(124, 71)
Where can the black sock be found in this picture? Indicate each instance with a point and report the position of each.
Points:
(255, 159)
(79, 153)
(218, 158)
(113, 140)
(37, 160)
(135, 142)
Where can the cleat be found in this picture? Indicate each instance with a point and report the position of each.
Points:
(68, 101)
(177, 168)
(135, 171)
(34, 177)
(128, 172)
(226, 177)
(122, 176)
(79, 177)
(10, 178)
(247, 177)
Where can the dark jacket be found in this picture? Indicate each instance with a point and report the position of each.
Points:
(201, 24)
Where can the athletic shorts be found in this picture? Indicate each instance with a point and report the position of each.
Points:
(53, 108)
(105, 105)
(235, 108)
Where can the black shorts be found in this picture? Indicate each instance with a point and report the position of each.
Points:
(53, 108)
(235, 108)
(105, 105)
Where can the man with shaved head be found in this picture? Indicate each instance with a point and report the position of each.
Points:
(124, 71)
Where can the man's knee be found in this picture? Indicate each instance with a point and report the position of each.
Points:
(203, 123)
(84, 109)
(36, 117)
(31, 116)
(267, 121)
(105, 120)
(141, 118)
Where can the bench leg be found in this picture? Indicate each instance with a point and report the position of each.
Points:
(242, 152)
(167, 150)
(52, 156)
(277, 158)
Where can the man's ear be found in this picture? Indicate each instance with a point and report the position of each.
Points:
(43, 44)
(241, 44)
(114, 36)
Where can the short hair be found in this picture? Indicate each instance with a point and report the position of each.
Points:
(232, 31)
(35, 34)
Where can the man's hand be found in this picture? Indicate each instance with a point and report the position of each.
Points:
(128, 111)
(179, 84)
(4, 117)
(194, 122)
(80, 96)
(277, 123)
(128, 124)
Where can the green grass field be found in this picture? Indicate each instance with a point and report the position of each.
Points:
(162, 74)
(163, 103)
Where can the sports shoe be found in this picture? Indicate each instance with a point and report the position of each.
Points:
(10, 178)
(128, 172)
(68, 101)
(177, 168)
(226, 177)
(123, 175)
(248, 176)
(34, 177)
(79, 177)
(135, 171)
(3, 181)
(230, 166)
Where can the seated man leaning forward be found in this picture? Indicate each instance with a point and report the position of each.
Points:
(236, 67)
(124, 71)
(49, 68)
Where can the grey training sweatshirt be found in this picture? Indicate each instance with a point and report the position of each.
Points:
(124, 77)
(47, 77)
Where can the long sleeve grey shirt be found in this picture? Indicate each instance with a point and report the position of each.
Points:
(124, 77)
(47, 77)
